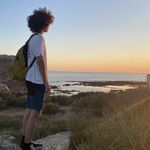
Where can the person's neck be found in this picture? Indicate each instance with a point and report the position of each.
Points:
(41, 33)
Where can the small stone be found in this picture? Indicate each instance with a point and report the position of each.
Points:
(8, 142)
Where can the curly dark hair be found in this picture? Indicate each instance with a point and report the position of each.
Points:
(40, 19)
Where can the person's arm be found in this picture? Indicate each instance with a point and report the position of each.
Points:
(41, 65)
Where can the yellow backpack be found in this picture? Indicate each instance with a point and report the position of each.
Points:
(19, 67)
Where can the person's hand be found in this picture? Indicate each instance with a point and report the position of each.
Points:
(48, 88)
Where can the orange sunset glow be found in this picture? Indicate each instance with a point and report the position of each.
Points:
(86, 36)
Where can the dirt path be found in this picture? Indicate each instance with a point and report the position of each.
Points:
(14, 112)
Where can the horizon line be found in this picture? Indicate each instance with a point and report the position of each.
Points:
(67, 71)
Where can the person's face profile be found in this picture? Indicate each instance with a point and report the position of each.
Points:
(46, 28)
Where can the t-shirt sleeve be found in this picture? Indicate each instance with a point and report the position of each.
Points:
(38, 45)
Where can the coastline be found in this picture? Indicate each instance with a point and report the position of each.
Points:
(74, 87)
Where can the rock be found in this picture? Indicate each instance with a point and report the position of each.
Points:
(67, 85)
(58, 141)
(8, 142)
(54, 87)
(4, 88)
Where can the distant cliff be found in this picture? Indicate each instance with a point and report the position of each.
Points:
(5, 61)
(13, 85)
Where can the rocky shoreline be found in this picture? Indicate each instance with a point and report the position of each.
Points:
(8, 85)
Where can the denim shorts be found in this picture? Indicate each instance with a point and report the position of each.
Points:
(35, 95)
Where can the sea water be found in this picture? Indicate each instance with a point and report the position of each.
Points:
(63, 79)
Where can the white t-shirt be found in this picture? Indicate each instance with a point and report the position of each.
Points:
(36, 47)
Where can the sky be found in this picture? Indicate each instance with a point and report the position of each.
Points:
(86, 36)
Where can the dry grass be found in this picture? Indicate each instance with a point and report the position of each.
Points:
(128, 129)
(114, 121)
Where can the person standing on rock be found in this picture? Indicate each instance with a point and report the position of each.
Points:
(37, 76)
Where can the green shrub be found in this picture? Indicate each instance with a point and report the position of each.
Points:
(47, 126)
(61, 100)
(51, 108)
(93, 103)
(11, 126)
(2, 104)
(15, 102)
(8, 100)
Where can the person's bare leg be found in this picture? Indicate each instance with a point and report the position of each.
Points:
(31, 124)
(25, 118)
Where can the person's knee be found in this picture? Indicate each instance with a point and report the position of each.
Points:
(27, 114)
(35, 113)
(28, 111)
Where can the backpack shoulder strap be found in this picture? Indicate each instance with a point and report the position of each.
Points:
(31, 37)
(34, 57)
(32, 63)
(26, 49)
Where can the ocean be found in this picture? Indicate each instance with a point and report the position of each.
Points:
(60, 79)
